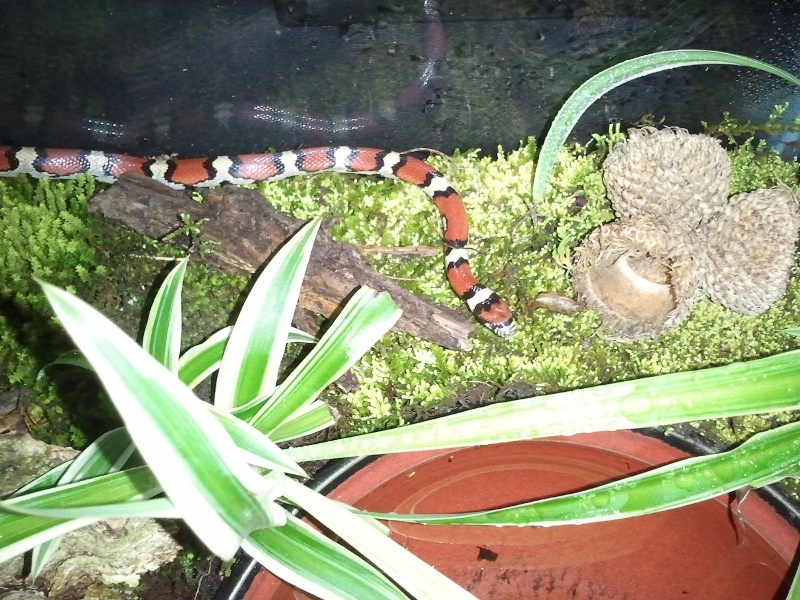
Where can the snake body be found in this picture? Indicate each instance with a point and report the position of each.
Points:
(179, 173)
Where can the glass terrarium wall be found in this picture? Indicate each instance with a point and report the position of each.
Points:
(199, 77)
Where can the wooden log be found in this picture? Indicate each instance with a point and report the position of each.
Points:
(247, 231)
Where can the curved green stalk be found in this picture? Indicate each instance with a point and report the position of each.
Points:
(607, 80)
(763, 459)
(766, 385)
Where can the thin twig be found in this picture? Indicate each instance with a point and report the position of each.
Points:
(403, 250)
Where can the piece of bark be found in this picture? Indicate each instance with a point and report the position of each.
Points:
(247, 231)
(110, 551)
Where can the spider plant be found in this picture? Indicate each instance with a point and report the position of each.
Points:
(217, 466)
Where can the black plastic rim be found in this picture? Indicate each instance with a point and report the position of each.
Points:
(324, 481)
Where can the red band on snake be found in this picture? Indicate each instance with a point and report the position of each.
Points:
(487, 306)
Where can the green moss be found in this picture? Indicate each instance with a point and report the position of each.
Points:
(47, 232)
(733, 129)
(43, 233)
(754, 168)
(519, 251)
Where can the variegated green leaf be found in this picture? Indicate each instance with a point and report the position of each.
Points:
(22, 532)
(107, 454)
(765, 458)
(258, 449)
(154, 508)
(759, 386)
(417, 577)
(254, 351)
(311, 561)
(162, 333)
(366, 317)
(312, 418)
(202, 360)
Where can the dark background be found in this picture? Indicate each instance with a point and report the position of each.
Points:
(199, 77)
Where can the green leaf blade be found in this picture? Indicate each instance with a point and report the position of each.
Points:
(22, 532)
(763, 459)
(202, 360)
(366, 317)
(311, 419)
(414, 575)
(761, 386)
(249, 367)
(107, 454)
(305, 558)
(162, 333)
(259, 450)
(601, 83)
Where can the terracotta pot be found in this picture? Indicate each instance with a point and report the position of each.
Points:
(713, 550)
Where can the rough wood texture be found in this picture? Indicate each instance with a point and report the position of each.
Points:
(248, 232)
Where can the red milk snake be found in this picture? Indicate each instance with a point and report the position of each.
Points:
(487, 306)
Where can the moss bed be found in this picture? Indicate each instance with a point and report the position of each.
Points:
(520, 251)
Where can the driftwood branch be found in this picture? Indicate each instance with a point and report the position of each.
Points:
(247, 232)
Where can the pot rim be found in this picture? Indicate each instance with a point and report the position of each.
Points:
(682, 439)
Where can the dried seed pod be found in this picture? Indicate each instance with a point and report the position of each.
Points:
(667, 174)
(679, 236)
(624, 273)
(749, 250)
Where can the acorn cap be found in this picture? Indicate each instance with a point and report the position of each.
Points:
(678, 236)
(636, 276)
(749, 250)
(667, 174)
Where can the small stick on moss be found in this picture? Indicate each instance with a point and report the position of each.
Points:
(403, 250)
